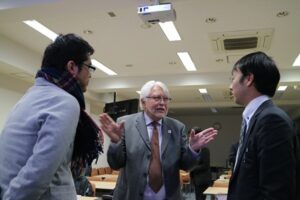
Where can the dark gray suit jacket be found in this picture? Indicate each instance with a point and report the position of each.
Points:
(266, 165)
(133, 152)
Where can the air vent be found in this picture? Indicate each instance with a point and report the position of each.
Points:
(240, 43)
(235, 41)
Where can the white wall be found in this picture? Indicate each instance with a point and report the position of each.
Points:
(8, 99)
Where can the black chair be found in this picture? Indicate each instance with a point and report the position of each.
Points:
(107, 197)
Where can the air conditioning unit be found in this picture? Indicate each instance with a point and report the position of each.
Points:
(237, 41)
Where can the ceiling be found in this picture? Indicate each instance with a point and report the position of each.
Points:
(138, 52)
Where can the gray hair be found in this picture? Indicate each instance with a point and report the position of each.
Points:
(147, 87)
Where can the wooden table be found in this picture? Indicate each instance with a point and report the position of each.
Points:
(87, 198)
(221, 183)
(104, 187)
(104, 177)
(216, 192)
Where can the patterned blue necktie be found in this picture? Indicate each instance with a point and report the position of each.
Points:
(241, 142)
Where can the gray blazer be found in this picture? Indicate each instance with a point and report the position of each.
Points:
(132, 155)
(36, 145)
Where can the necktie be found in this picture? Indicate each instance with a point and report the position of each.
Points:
(241, 142)
(155, 172)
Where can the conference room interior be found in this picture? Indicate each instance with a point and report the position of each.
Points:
(138, 52)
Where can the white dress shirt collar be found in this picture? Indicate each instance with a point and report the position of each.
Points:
(252, 107)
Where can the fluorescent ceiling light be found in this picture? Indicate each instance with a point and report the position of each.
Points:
(203, 91)
(170, 30)
(41, 28)
(282, 88)
(207, 98)
(214, 110)
(297, 61)
(187, 61)
(103, 68)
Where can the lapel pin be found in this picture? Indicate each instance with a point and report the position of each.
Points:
(169, 131)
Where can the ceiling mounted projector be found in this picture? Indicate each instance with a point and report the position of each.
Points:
(157, 13)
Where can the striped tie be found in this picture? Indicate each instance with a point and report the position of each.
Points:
(241, 142)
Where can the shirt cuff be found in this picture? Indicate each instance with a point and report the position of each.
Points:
(195, 153)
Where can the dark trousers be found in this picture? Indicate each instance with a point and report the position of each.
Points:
(199, 189)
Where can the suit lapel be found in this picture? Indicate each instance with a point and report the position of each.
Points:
(250, 130)
(142, 129)
(166, 133)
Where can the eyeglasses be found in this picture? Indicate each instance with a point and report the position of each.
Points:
(90, 67)
(159, 98)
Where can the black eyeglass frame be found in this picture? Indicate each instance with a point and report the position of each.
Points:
(91, 67)
(159, 98)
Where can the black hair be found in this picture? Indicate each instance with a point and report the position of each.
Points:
(65, 48)
(265, 72)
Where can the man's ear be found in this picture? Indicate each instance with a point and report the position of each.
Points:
(250, 79)
(143, 103)
(72, 67)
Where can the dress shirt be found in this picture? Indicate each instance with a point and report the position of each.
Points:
(252, 107)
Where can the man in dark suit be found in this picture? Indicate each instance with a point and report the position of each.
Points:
(265, 163)
(232, 154)
(132, 151)
(200, 174)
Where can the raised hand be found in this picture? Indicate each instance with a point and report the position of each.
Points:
(199, 140)
(112, 129)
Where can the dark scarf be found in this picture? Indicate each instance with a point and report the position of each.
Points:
(87, 145)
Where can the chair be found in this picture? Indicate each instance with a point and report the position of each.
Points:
(186, 182)
(101, 171)
(94, 172)
(107, 197)
(115, 172)
(108, 170)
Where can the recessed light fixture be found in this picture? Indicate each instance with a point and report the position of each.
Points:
(111, 14)
(129, 65)
(187, 61)
(282, 14)
(172, 63)
(170, 30)
(297, 61)
(282, 88)
(42, 29)
(88, 32)
(103, 68)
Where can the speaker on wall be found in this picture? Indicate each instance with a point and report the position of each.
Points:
(121, 108)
